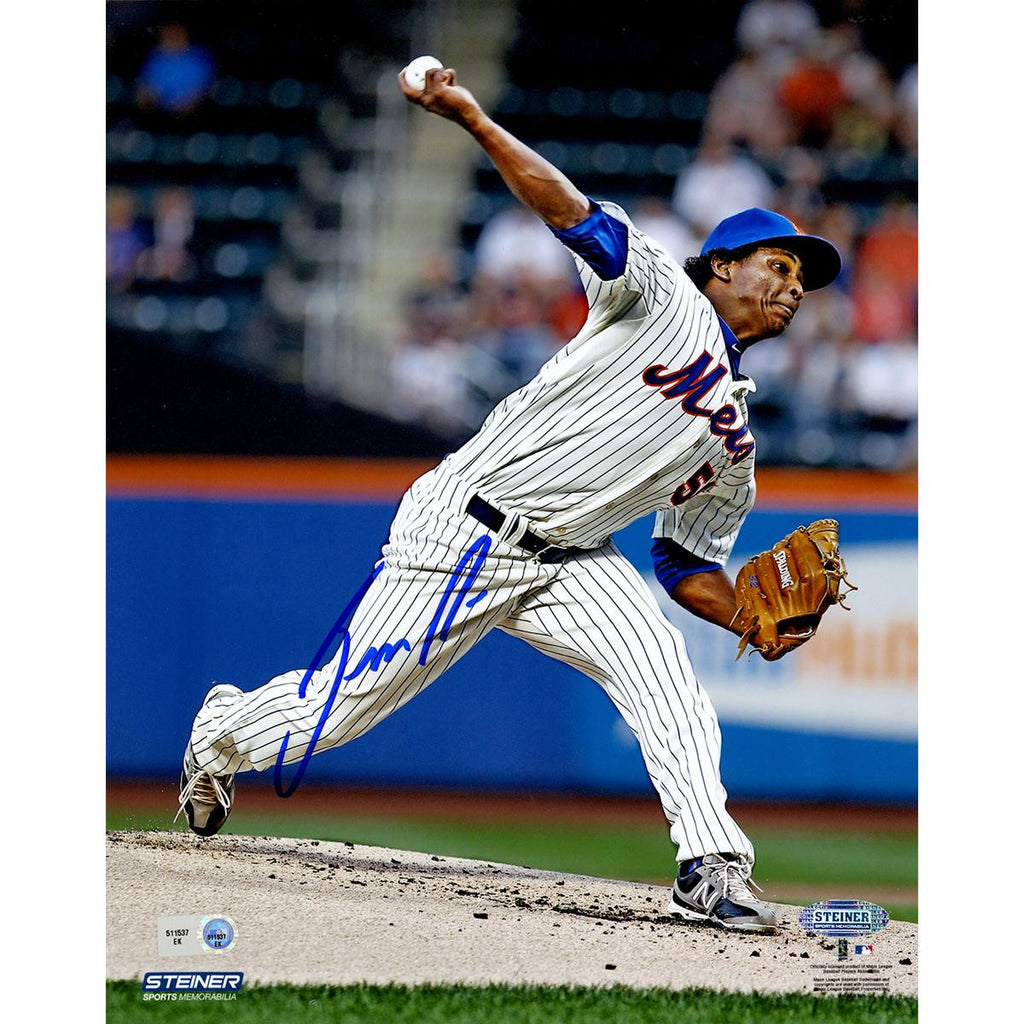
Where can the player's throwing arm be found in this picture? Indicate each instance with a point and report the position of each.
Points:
(534, 181)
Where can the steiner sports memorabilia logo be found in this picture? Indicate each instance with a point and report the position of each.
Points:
(843, 918)
(192, 983)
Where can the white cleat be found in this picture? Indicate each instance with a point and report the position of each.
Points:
(206, 799)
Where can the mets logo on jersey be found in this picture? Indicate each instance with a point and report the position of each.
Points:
(691, 384)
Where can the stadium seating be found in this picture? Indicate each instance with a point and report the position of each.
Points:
(255, 161)
(256, 168)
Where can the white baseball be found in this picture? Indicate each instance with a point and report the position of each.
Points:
(416, 71)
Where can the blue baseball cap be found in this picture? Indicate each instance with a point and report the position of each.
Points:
(820, 258)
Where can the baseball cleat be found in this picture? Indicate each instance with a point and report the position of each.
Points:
(206, 799)
(717, 889)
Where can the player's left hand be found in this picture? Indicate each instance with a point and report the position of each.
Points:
(782, 593)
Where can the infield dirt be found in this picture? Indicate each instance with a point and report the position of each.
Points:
(337, 913)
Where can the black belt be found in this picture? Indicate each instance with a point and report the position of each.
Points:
(494, 519)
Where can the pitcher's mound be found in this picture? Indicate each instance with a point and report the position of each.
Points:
(336, 913)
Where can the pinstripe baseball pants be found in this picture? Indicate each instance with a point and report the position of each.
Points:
(446, 581)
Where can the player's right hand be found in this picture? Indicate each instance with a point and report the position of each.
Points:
(441, 95)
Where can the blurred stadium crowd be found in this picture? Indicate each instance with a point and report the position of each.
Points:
(221, 138)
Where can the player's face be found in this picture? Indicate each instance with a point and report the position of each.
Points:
(768, 286)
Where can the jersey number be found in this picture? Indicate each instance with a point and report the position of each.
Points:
(695, 483)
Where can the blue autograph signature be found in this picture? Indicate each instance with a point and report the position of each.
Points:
(374, 657)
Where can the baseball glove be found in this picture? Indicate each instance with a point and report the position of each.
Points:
(783, 593)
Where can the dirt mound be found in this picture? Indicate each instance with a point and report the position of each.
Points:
(338, 913)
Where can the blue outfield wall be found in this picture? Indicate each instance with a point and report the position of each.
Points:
(240, 590)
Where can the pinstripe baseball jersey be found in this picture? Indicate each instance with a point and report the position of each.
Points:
(642, 411)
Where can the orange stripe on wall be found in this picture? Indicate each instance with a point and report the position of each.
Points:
(216, 476)
(840, 488)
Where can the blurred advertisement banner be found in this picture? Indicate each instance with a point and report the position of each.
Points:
(232, 570)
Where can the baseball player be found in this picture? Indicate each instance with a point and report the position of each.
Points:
(644, 410)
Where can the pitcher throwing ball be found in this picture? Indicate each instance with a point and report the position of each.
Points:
(644, 410)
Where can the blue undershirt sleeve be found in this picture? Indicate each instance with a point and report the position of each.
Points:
(602, 241)
(673, 563)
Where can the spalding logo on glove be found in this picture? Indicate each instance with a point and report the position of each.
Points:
(783, 593)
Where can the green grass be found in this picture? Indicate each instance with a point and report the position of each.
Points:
(504, 1004)
(828, 864)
